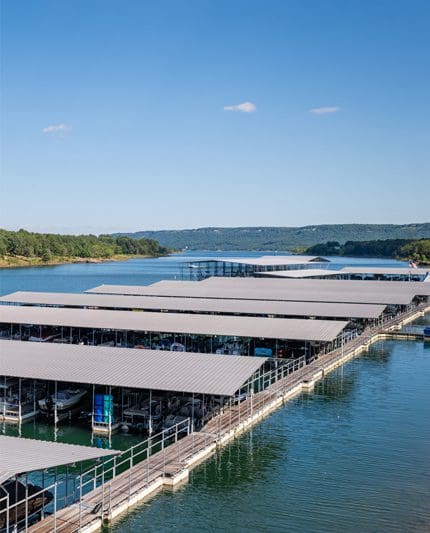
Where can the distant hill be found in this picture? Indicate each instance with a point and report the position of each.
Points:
(406, 249)
(276, 238)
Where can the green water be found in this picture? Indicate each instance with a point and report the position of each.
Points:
(352, 456)
(70, 434)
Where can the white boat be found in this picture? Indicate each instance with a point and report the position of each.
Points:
(47, 338)
(64, 400)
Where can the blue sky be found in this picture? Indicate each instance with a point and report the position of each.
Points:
(120, 115)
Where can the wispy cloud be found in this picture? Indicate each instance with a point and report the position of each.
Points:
(244, 107)
(324, 110)
(57, 128)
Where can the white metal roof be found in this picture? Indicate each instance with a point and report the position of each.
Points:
(208, 305)
(19, 455)
(128, 367)
(301, 273)
(310, 290)
(321, 284)
(181, 323)
(385, 270)
(267, 260)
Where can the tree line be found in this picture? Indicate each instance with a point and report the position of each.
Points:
(47, 246)
(407, 249)
(281, 238)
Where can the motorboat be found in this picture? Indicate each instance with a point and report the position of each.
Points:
(171, 421)
(16, 491)
(64, 400)
(42, 338)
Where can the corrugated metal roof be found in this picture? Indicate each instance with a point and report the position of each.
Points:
(161, 370)
(306, 284)
(324, 288)
(209, 305)
(19, 455)
(267, 260)
(385, 270)
(232, 326)
(302, 273)
(301, 290)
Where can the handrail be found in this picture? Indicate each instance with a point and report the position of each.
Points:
(137, 450)
(104, 472)
(29, 497)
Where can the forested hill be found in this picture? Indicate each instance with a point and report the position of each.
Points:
(22, 247)
(417, 250)
(276, 238)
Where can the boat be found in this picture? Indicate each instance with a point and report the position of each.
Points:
(145, 416)
(42, 338)
(64, 403)
(17, 492)
(169, 426)
(177, 347)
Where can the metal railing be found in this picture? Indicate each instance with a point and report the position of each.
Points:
(99, 477)
(10, 516)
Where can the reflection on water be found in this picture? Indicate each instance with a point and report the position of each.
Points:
(70, 434)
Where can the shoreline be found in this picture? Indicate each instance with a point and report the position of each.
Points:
(30, 262)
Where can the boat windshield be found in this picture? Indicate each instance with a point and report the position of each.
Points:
(63, 395)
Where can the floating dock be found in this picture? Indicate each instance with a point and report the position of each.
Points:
(171, 465)
(184, 378)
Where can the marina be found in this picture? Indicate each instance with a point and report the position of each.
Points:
(298, 267)
(171, 466)
(215, 267)
(212, 306)
(188, 382)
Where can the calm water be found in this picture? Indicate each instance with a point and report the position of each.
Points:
(353, 456)
(79, 277)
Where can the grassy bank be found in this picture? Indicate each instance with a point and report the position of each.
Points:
(21, 261)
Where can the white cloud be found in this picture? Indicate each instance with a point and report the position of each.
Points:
(245, 107)
(324, 110)
(57, 128)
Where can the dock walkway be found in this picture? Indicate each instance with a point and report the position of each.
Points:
(171, 465)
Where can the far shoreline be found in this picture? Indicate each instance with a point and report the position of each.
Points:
(30, 262)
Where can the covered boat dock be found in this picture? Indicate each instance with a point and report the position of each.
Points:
(268, 308)
(298, 290)
(35, 478)
(367, 273)
(235, 335)
(246, 266)
(152, 388)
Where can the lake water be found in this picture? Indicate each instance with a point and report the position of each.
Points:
(79, 277)
(352, 456)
